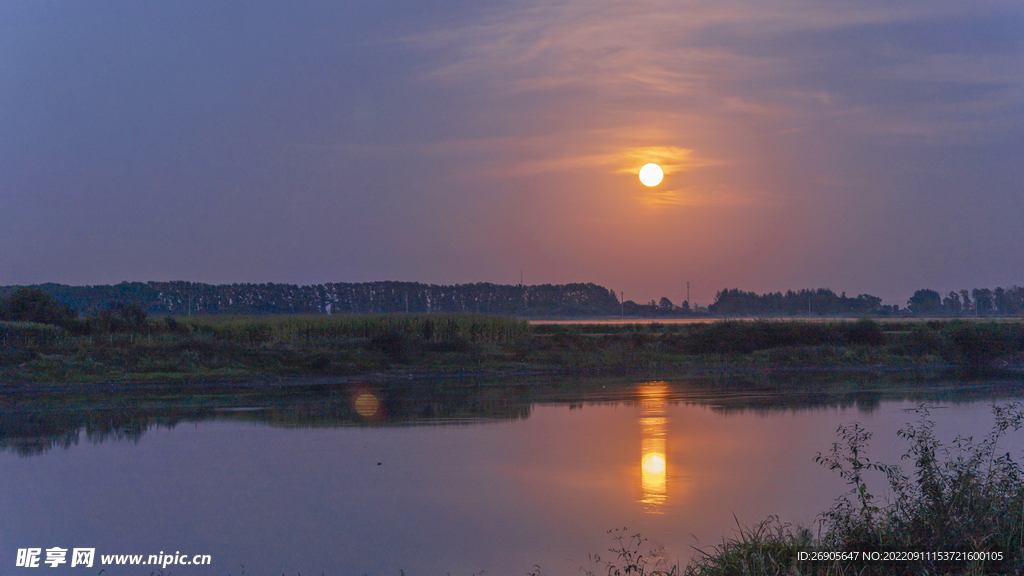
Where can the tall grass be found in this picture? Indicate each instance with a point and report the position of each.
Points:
(630, 555)
(233, 346)
(304, 328)
(29, 334)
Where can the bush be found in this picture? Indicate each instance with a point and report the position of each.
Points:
(35, 305)
(118, 318)
(392, 344)
(978, 344)
(865, 332)
(967, 497)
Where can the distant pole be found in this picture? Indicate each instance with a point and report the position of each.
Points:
(688, 295)
(622, 304)
(523, 296)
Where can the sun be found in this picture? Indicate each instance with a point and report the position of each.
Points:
(651, 175)
(654, 464)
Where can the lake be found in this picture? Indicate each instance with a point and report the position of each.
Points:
(437, 478)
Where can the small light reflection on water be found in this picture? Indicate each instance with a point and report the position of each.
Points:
(367, 405)
(653, 462)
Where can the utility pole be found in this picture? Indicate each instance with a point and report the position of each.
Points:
(688, 296)
(622, 304)
(522, 289)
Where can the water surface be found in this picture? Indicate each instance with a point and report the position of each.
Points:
(436, 478)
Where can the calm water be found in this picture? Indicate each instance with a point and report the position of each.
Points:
(433, 479)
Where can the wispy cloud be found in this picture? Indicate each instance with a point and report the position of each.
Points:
(718, 196)
(770, 61)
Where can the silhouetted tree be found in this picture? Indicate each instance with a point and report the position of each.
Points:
(982, 300)
(951, 304)
(1009, 302)
(968, 306)
(35, 305)
(925, 302)
(734, 302)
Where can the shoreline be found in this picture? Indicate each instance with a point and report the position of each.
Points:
(400, 377)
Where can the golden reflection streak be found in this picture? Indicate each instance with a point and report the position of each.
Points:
(653, 462)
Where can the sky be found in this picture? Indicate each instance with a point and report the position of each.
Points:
(864, 146)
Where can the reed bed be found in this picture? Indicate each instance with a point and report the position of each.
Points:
(125, 345)
(30, 334)
(305, 328)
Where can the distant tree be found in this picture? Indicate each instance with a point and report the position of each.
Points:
(733, 302)
(118, 317)
(132, 316)
(1011, 302)
(951, 304)
(685, 307)
(982, 300)
(889, 310)
(968, 306)
(665, 305)
(925, 302)
(999, 300)
(35, 305)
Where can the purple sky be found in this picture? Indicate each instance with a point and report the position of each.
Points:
(863, 146)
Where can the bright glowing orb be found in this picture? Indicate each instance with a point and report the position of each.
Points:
(654, 464)
(651, 174)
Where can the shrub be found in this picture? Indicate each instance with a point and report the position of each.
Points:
(968, 497)
(35, 305)
(865, 332)
(977, 344)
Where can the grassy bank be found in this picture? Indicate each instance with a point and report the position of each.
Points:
(224, 347)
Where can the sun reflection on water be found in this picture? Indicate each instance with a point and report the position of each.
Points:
(367, 405)
(653, 463)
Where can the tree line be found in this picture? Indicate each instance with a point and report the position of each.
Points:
(822, 302)
(192, 298)
(37, 306)
(976, 302)
(122, 303)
